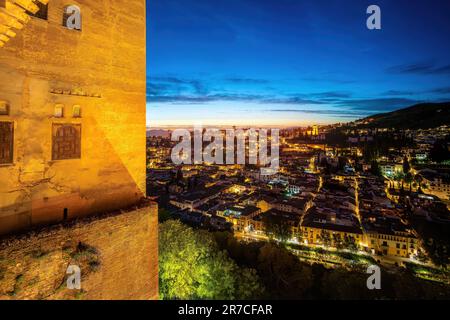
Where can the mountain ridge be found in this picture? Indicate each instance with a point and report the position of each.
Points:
(418, 116)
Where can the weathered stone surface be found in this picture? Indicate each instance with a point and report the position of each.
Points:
(118, 259)
(101, 69)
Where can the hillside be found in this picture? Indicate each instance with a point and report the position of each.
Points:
(420, 116)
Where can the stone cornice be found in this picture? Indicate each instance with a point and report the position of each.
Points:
(14, 16)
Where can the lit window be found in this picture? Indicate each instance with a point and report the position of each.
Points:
(6, 142)
(59, 111)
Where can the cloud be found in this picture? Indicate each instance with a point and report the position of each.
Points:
(172, 84)
(157, 88)
(191, 91)
(166, 93)
(420, 68)
(177, 87)
(398, 93)
(441, 90)
(328, 80)
(324, 112)
(231, 97)
(383, 104)
(247, 81)
(332, 94)
(204, 98)
(444, 90)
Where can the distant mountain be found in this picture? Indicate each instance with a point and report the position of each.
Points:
(420, 116)
(158, 133)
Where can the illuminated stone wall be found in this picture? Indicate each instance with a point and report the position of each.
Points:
(99, 71)
(117, 254)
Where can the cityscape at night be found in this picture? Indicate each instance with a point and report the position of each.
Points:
(225, 158)
(364, 148)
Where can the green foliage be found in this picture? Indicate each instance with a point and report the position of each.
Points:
(350, 243)
(17, 285)
(87, 257)
(284, 275)
(375, 168)
(325, 237)
(277, 228)
(38, 254)
(191, 266)
(440, 153)
(436, 238)
(163, 215)
(406, 165)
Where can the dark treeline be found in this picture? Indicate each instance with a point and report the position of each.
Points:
(284, 276)
(196, 264)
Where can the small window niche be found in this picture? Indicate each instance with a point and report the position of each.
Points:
(59, 111)
(76, 111)
(41, 13)
(4, 108)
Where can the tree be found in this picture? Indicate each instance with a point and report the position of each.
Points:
(191, 266)
(439, 152)
(409, 180)
(163, 215)
(179, 175)
(350, 243)
(283, 273)
(342, 161)
(325, 237)
(406, 165)
(399, 177)
(277, 227)
(375, 168)
(338, 241)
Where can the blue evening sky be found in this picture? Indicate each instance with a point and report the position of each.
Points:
(292, 62)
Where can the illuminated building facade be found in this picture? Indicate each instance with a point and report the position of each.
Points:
(72, 109)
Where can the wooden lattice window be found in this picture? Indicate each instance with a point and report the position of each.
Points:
(66, 141)
(6, 142)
